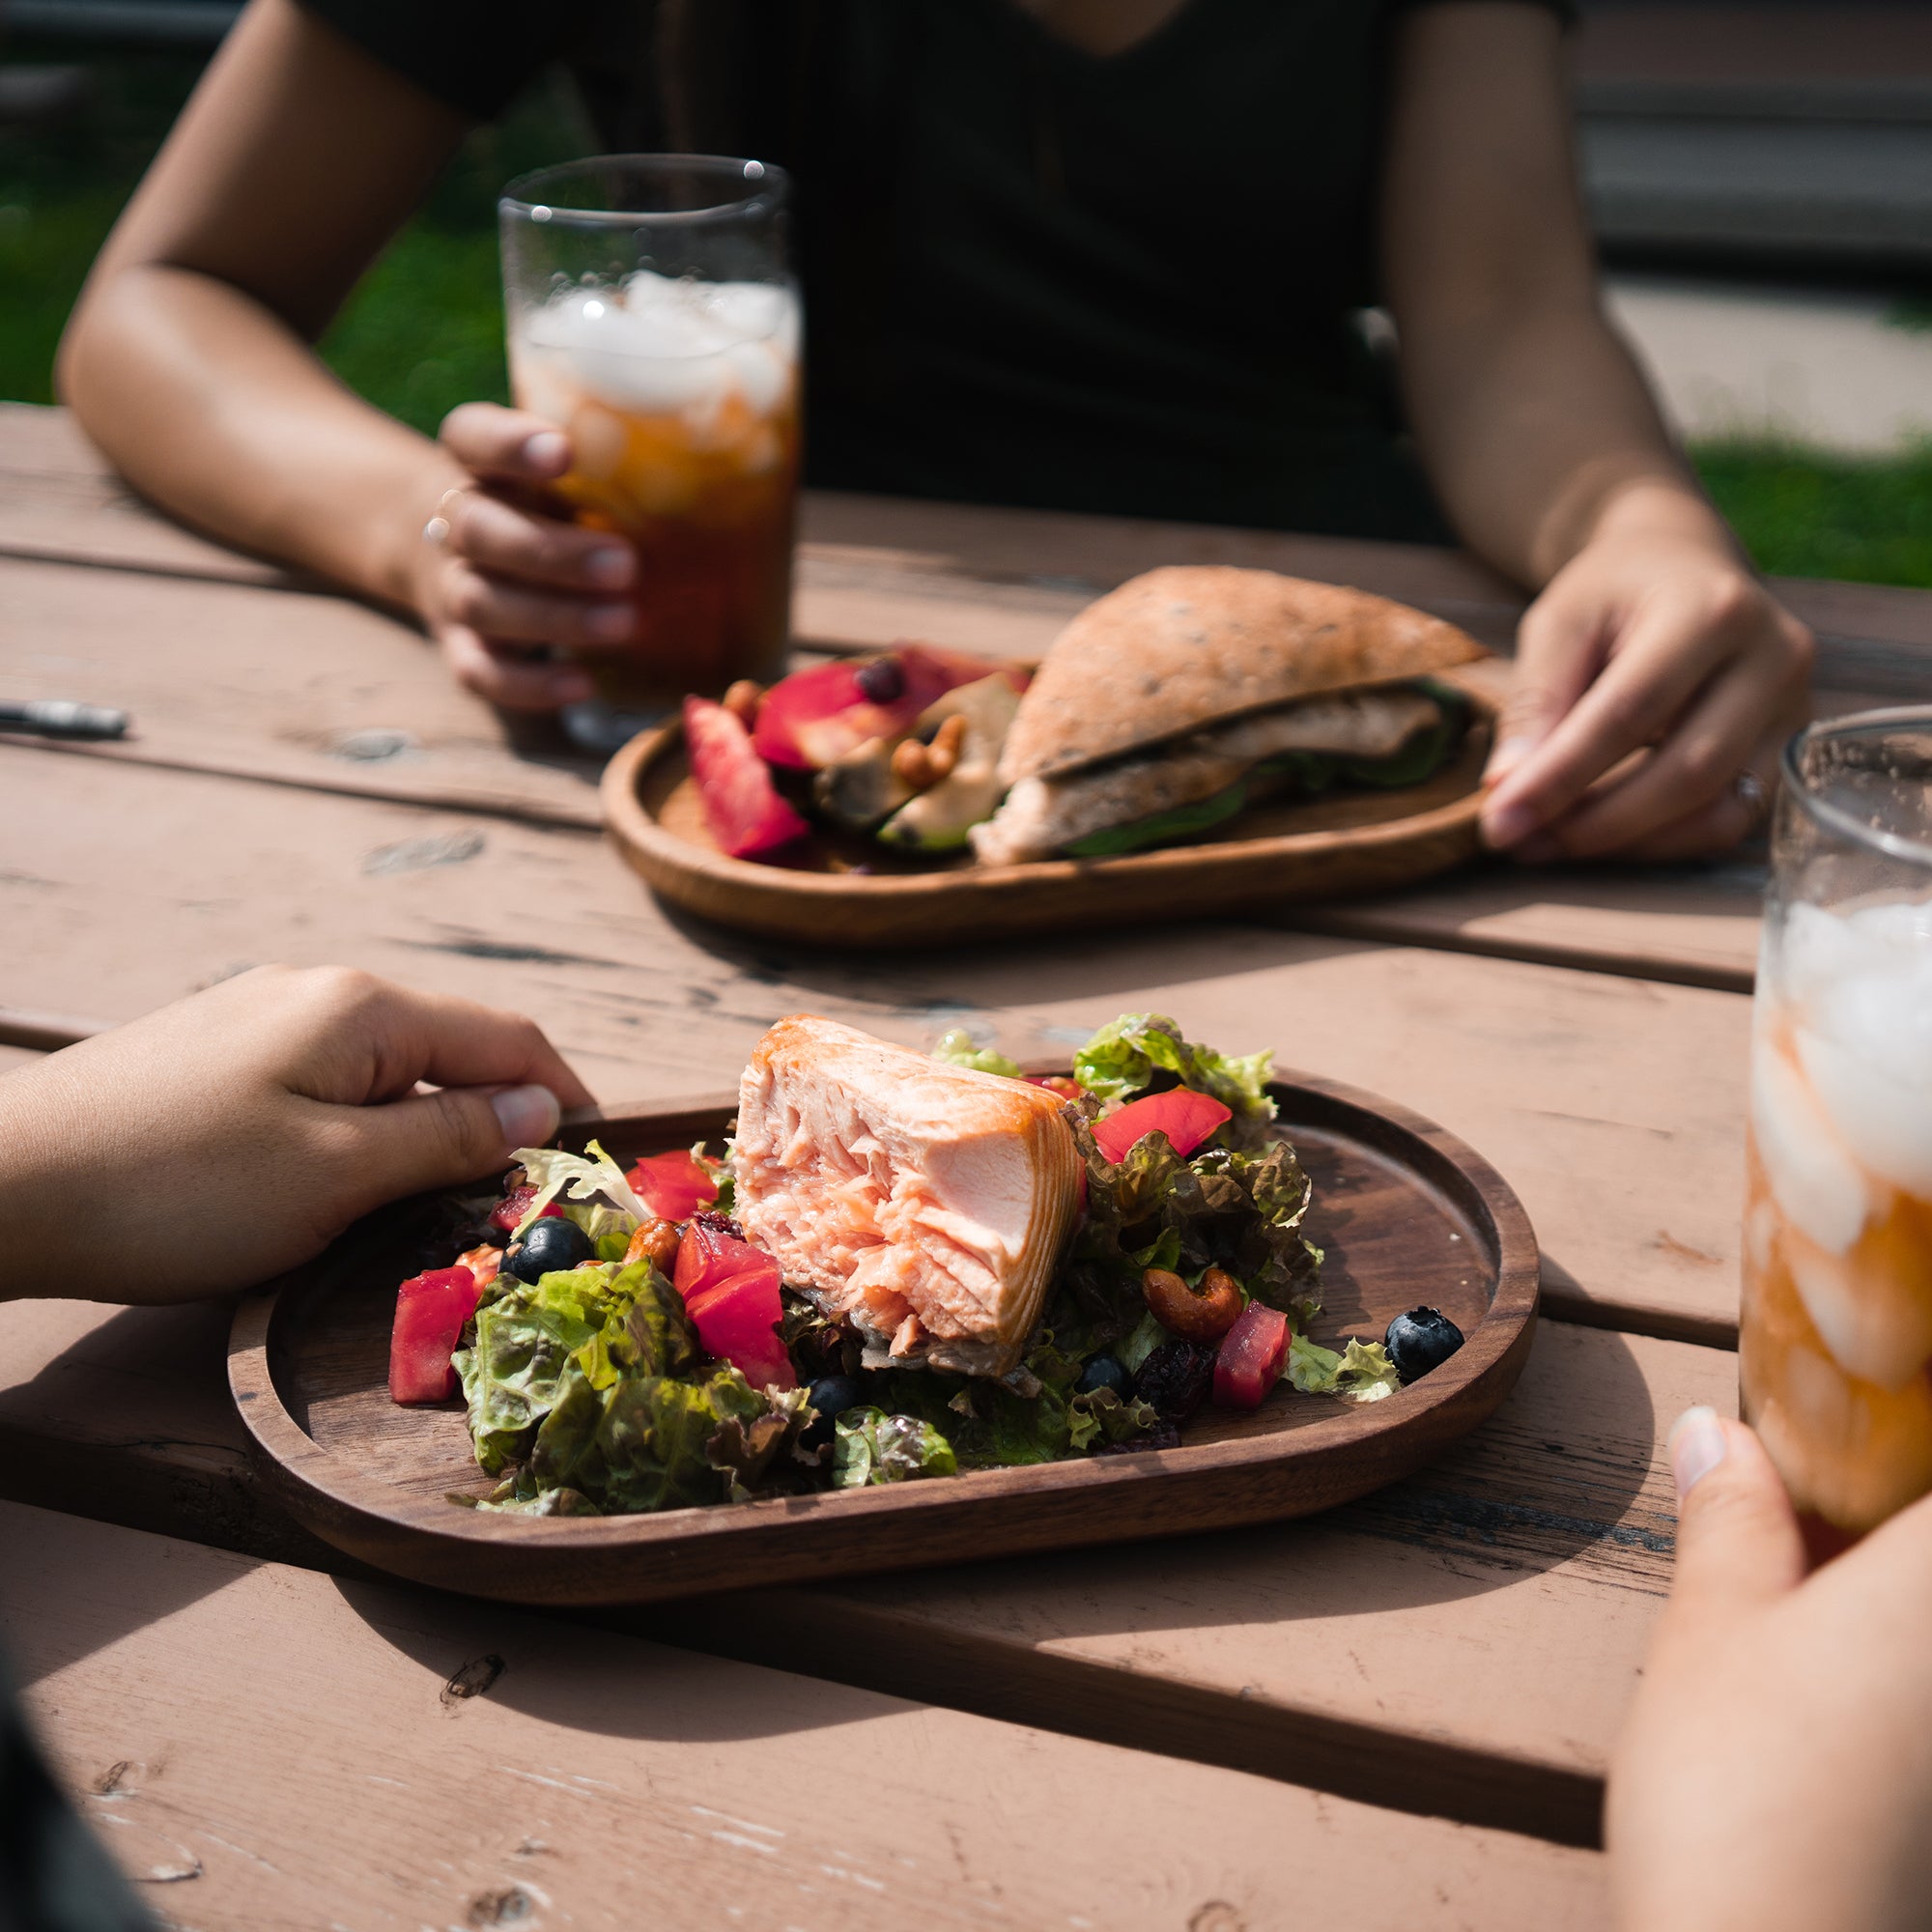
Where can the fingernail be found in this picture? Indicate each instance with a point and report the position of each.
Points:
(1696, 1445)
(1508, 825)
(613, 569)
(548, 450)
(610, 623)
(527, 1116)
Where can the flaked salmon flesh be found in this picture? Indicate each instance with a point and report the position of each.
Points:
(928, 1204)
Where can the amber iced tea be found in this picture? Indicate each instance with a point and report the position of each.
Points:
(650, 315)
(681, 402)
(1835, 1335)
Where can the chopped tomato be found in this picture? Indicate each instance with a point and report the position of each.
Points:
(730, 1292)
(673, 1185)
(485, 1264)
(819, 714)
(1249, 1361)
(1187, 1118)
(430, 1310)
(515, 1205)
(742, 806)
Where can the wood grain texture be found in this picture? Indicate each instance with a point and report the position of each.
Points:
(59, 499)
(457, 1765)
(1406, 1213)
(1613, 1107)
(1462, 1643)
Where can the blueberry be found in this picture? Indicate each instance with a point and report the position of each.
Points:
(549, 1247)
(1103, 1371)
(831, 1396)
(881, 679)
(1423, 1339)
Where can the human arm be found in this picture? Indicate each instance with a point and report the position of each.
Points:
(190, 359)
(220, 1139)
(1651, 635)
(1776, 1772)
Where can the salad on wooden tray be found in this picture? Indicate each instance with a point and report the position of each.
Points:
(900, 1266)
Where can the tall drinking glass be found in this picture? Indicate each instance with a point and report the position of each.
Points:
(650, 313)
(1836, 1343)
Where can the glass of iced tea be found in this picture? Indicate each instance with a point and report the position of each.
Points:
(1835, 1341)
(651, 313)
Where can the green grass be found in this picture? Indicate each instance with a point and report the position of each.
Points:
(424, 331)
(1802, 514)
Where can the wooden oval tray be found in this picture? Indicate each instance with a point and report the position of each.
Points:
(1337, 846)
(1406, 1213)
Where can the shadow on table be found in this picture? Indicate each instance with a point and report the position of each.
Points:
(584, 1675)
(1016, 973)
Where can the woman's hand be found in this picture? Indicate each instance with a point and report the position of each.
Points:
(504, 579)
(1776, 1772)
(1653, 640)
(211, 1144)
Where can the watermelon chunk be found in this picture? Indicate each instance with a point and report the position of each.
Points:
(1187, 1118)
(730, 1292)
(1248, 1363)
(742, 806)
(431, 1309)
(817, 714)
(674, 1186)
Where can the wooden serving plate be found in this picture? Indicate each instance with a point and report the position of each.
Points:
(1407, 1213)
(1341, 845)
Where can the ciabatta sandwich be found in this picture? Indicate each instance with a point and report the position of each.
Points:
(1171, 702)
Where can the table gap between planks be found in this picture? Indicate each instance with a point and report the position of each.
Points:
(306, 784)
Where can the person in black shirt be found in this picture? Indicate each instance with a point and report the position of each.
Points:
(1094, 254)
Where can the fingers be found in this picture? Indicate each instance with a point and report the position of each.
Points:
(507, 540)
(348, 1038)
(507, 678)
(1683, 799)
(510, 446)
(1560, 646)
(1659, 663)
(1738, 1543)
(507, 613)
(438, 1140)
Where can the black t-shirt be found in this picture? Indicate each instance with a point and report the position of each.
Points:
(1031, 275)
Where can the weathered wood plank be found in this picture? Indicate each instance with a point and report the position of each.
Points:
(1695, 924)
(1614, 1107)
(59, 499)
(459, 1764)
(1421, 1647)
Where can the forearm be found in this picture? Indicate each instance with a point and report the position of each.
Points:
(216, 410)
(1540, 436)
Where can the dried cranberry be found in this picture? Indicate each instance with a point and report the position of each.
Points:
(1175, 1380)
(881, 679)
(718, 1224)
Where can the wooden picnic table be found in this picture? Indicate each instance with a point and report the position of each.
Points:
(1397, 1715)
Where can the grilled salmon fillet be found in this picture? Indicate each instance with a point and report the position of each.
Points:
(925, 1202)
